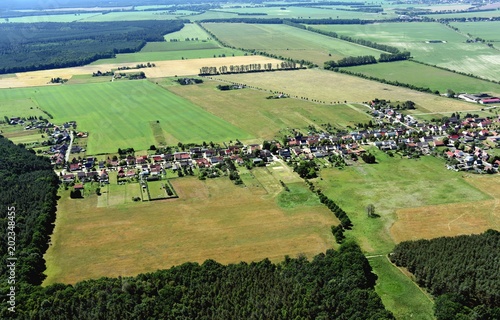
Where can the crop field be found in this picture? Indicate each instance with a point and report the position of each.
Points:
(482, 14)
(133, 16)
(52, 18)
(426, 77)
(163, 69)
(454, 218)
(194, 53)
(179, 46)
(118, 114)
(287, 41)
(455, 53)
(249, 109)
(20, 108)
(340, 87)
(212, 219)
(487, 30)
(191, 31)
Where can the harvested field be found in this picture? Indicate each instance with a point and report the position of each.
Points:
(162, 69)
(212, 219)
(329, 86)
(451, 219)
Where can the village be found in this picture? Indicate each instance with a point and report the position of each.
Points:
(462, 141)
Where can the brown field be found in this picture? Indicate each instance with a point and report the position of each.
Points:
(163, 69)
(329, 86)
(451, 219)
(212, 219)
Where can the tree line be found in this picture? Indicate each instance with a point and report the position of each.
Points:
(336, 284)
(461, 271)
(29, 184)
(246, 68)
(48, 45)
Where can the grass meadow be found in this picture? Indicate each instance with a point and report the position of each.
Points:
(212, 219)
(455, 54)
(249, 109)
(426, 76)
(287, 41)
(118, 114)
(190, 31)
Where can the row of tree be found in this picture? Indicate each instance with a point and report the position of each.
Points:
(462, 271)
(253, 67)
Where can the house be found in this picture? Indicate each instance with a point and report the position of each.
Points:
(78, 186)
(74, 167)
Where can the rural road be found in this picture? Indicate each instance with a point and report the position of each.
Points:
(68, 152)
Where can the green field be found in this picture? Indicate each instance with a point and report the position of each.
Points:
(170, 55)
(426, 77)
(23, 107)
(118, 114)
(52, 18)
(487, 30)
(179, 46)
(264, 118)
(482, 14)
(455, 54)
(283, 40)
(189, 31)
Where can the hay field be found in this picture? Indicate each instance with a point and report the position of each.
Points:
(249, 109)
(212, 219)
(330, 86)
(162, 69)
(451, 219)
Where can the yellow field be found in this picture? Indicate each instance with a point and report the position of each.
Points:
(329, 86)
(212, 219)
(162, 69)
(451, 219)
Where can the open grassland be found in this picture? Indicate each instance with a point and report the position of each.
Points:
(179, 46)
(287, 41)
(454, 218)
(52, 18)
(426, 77)
(329, 86)
(393, 184)
(162, 69)
(455, 54)
(249, 109)
(390, 185)
(189, 31)
(134, 16)
(118, 114)
(212, 219)
(487, 30)
(399, 293)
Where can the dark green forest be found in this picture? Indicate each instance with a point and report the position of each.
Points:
(463, 272)
(48, 45)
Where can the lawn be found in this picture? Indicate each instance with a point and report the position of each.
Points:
(118, 114)
(426, 77)
(328, 86)
(455, 54)
(287, 41)
(249, 109)
(212, 219)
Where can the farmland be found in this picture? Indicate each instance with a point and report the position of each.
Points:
(201, 224)
(455, 53)
(133, 105)
(283, 40)
(485, 30)
(339, 87)
(426, 77)
(264, 118)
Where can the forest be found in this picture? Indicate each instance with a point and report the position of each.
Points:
(334, 285)
(48, 45)
(28, 199)
(462, 271)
